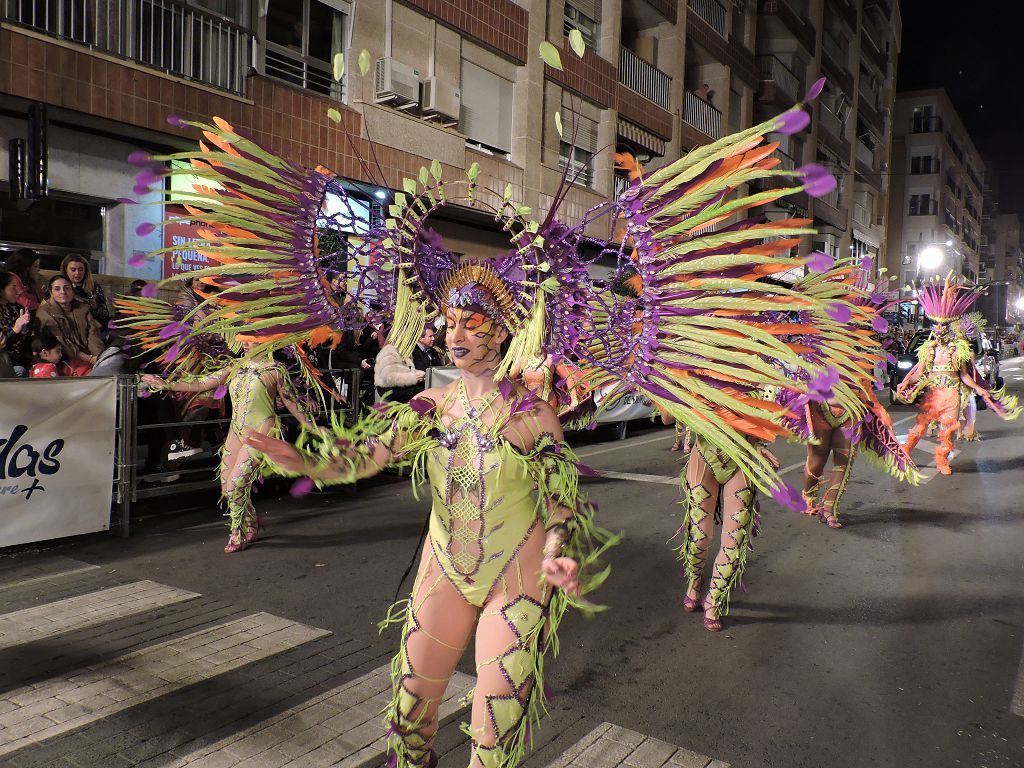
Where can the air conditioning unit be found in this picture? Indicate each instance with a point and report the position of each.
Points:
(396, 83)
(441, 101)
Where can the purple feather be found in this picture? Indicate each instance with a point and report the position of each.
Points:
(149, 290)
(839, 312)
(880, 324)
(136, 260)
(145, 228)
(817, 180)
(140, 158)
(815, 90)
(171, 329)
(301, 487)
(421, 405)
(220, 392)
(819, 261)
(176, 121)
(793, 121)
(787, 496)
(586, 471)
(505, 388)
(141, 189)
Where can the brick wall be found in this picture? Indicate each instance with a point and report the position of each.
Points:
(592, 77)
(290, 121)
(498, 24)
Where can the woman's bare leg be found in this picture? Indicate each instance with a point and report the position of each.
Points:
(739, 509)
(842, 465)
(509, 641)
(438, 625)
(817, 458)
(698, 523)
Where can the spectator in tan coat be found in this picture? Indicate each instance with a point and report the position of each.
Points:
(70, 321)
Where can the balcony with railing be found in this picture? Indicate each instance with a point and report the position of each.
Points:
(167, 35)
(644, 78)
(839, 55)
(775, 73)
(701, 115)
(786, 19)
(862, 214)
(923, 208)
(865, 154)
(950, 221)
(303, 71)
(712, 11)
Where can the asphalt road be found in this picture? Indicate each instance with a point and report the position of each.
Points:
(895, 641)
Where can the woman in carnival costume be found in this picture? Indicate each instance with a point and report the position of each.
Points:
(970, 326)
(202, 363)
(512, 541)
(945, 370)
(837, 431)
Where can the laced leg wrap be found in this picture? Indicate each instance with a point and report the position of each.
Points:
(411, 724)
(728, 569)
(917, 431)
(693, 550)
(947, 427)
(501, 741)
(237, 492)
(839, 478)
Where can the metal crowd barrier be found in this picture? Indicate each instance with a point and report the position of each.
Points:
(130, 485)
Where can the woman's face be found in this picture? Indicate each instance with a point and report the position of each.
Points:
(10, 293)
(76, 271)
(34, 269)
(62, 291)
(51, 355)
(474, 339)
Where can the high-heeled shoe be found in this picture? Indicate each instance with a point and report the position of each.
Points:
(828, 518)
(693, 604)
(236, 541)
(711, 623)
(255, 527)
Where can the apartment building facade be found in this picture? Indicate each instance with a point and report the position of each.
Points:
(456, 80)
(938, 190)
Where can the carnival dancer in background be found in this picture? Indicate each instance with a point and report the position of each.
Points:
(256, 385)
(840, 432)
(945, 369)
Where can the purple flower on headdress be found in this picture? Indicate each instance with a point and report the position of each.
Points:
(141, 189)
(176, 121)
(819, 261)
(789, 497)
(146, 178)
(890, 358)
(792, 121)
(815, 90)
(817, 180)
(145, 228)
(220, 392)
(137, 259)
(149, 290)
(839, 312)
(140, 158)
(301, 487)
(173, 351)
(880, 324)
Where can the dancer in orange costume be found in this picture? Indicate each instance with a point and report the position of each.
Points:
(945, 368)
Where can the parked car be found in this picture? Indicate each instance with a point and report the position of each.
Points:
(905, 360)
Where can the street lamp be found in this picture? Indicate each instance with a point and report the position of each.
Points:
(930, 259)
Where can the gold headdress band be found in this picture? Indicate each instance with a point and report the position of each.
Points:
(484, 276)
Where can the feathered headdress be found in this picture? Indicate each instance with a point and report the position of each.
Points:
(946, 300)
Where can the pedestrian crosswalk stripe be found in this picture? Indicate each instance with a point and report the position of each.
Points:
(32, 713)
(343, 727)
(94, 608)
(1017, 702)
(48, 577)
(612, 746)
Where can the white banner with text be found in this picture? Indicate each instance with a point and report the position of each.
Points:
(56, 457)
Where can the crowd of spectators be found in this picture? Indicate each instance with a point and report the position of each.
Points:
(70, 308)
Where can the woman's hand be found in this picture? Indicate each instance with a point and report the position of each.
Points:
(562, 572)
(770, 457)
(284, 455)
(153, 382)
(24, 318)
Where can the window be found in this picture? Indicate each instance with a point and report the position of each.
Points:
(923, 205)
(486, 110)
(302, 37)
(924, 164)
(584, 15)
(579, 158)
(230, 9)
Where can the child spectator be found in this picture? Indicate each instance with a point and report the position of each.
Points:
(48, 359)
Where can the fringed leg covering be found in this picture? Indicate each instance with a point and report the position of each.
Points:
(947, 427)
(693, 549)
(517, 698)
(839, 478)
(411, 729)
(728, 569)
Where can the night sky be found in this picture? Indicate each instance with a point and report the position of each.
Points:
(975, 50)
